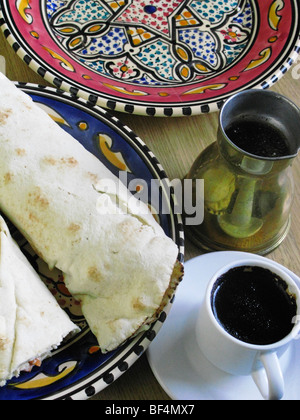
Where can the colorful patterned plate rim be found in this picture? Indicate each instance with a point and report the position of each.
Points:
(155, 57)
(78, 369)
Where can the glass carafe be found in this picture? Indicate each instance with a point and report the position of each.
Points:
(247, 197)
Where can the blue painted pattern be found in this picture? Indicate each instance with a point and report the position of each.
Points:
(152, 41)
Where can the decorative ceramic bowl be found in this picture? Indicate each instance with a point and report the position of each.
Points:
(155, 57)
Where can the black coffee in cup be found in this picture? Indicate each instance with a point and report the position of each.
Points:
(254, 305)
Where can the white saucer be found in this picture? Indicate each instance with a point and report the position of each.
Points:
(185, 374)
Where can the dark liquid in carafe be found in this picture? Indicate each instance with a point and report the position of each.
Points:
(258, 137)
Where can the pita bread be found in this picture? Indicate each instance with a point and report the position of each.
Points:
(115, 257)
(31, 321)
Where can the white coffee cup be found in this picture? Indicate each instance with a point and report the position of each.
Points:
(237, 357)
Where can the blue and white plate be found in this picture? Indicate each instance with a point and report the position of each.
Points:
(78, 369)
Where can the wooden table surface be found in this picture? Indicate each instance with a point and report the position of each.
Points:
(176, 142)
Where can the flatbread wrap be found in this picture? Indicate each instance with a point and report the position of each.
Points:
(32, 323)
(116, 259)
